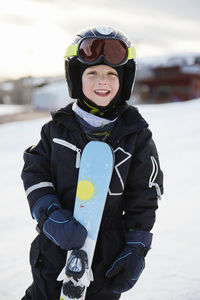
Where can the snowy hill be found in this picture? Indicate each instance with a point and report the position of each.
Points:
(172, 266)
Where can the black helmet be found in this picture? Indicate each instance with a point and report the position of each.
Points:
(100, 45)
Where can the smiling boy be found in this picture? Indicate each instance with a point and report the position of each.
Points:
(100, 84)
(100, 72)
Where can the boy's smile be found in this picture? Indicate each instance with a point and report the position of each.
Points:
(100, 84)
(102, 92)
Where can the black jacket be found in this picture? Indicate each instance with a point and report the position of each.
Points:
(52, 167)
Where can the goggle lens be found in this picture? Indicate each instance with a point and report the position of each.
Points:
(114, 51)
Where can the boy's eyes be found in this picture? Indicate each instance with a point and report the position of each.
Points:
(91, 73)
(112, 73)
(109, 73)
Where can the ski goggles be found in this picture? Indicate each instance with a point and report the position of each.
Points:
(92, 50)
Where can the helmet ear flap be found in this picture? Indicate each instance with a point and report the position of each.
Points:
(129, 78)
(72, 74)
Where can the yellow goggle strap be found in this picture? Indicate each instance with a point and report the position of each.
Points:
(72, 51)
(131, 53)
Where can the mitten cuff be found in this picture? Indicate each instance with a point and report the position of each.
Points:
(43, 206)
(143, 238)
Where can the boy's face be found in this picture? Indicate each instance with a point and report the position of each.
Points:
(100, 84)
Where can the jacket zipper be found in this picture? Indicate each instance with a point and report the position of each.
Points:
(72, 147)
(153, 177)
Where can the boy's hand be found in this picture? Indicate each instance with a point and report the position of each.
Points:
(58, 224)
(128, 266)
(64, 230)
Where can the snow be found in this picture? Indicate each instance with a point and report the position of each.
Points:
(172, 266)
(7, 109)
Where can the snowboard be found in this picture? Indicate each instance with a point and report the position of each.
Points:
(96, 167)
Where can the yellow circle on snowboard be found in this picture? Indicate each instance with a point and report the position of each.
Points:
(85, 190)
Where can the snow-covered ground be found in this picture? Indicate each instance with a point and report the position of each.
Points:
(6, 109)
(173, 265)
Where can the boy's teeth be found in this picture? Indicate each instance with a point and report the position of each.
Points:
(101, 92)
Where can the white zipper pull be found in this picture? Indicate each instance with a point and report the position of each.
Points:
(158, 191)
(153, 177)
(78, 158)
(72, 147)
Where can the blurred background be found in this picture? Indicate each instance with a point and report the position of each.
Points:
(34, 35)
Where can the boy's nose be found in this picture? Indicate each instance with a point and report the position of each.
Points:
(102, 79)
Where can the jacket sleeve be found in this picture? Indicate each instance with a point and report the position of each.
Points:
(144, 185)
(36, 173)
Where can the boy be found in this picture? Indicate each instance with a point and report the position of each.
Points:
(100, 72)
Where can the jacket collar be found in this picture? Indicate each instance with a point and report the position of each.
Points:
(129, 121)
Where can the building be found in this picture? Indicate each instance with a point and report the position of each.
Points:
(51, 96)
(17, 91)
(175, 80)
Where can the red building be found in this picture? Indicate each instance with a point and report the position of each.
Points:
(168, 83)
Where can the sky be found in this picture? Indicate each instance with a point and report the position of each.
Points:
(35, 33)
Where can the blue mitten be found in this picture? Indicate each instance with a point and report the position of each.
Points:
(58, 224)
(128, 266)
